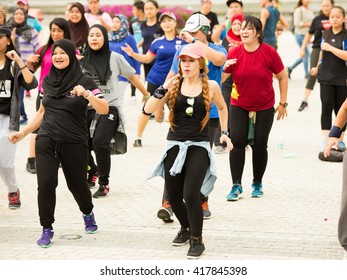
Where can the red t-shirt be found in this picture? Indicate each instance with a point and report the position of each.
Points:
(252, 76)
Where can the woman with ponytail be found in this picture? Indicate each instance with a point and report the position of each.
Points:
(187, 165)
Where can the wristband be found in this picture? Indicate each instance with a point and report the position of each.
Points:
(90, 94)
(160, 92)
(194, 40)
(146, 97)
(335, 132)
(225, 132)
(21, 68)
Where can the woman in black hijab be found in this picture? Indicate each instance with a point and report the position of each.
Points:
(63, 136)
(104, 67)
(79, 26)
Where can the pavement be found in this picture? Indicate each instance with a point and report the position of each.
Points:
(295, 220)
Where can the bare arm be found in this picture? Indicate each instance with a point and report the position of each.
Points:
(33, 62)
(215, 37)
(153, 103)
(27, 75)
(134, 79)
(144, 58)
(170, 75)
(283, 85)
(307, 39)
(212, 55)
(139, 45)
(340, 121)
(100, 105)
(314, 70)
(283, 21)
(216, 57)
(218, 100)
(34, 124)
(341, 117)
(264, 14)
(104, 24)
(225, 76)
(337, 52)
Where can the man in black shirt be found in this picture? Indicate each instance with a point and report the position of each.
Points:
(205, 10)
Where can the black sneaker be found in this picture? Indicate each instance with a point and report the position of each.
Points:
(165, 212)
(137, 143)
(303, 105)
(206, 211)
(31, 165)
(289, 72)
(196, 247)
(102, 191)
(182, 237)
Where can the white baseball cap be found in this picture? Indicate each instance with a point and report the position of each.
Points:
(195, 22)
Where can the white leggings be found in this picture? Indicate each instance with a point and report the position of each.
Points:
(7, 156)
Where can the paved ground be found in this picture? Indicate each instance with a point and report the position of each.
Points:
(295, 220)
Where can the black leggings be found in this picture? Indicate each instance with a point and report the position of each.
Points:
(184, 188)
(73, 158)
(100, 143)
(147, 68)
(332, 98)
(238, 135)
(212, 132)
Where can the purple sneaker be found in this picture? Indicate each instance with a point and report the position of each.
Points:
(90, 224)
(46, 238)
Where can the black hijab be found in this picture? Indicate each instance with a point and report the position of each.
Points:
(59, 82)
(98, 62)
(79, 30)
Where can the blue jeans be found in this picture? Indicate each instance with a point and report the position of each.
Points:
(299, 39)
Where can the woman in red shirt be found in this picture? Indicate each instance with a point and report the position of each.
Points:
(252, 65)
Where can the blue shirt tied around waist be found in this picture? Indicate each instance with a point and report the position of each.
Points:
(211, 174)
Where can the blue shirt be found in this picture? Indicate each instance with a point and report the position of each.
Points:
(214, 72)
(164, 50)
(270, 26)
(116, 47)
(34, 23)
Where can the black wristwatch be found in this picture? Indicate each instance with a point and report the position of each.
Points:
(285, 105)
(225, 132)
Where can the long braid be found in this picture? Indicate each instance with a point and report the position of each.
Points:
(205, 92)
(172, 101)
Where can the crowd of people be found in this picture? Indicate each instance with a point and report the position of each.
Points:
(201, 73)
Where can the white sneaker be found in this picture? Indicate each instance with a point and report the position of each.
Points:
(220, 150)
(345, 256)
